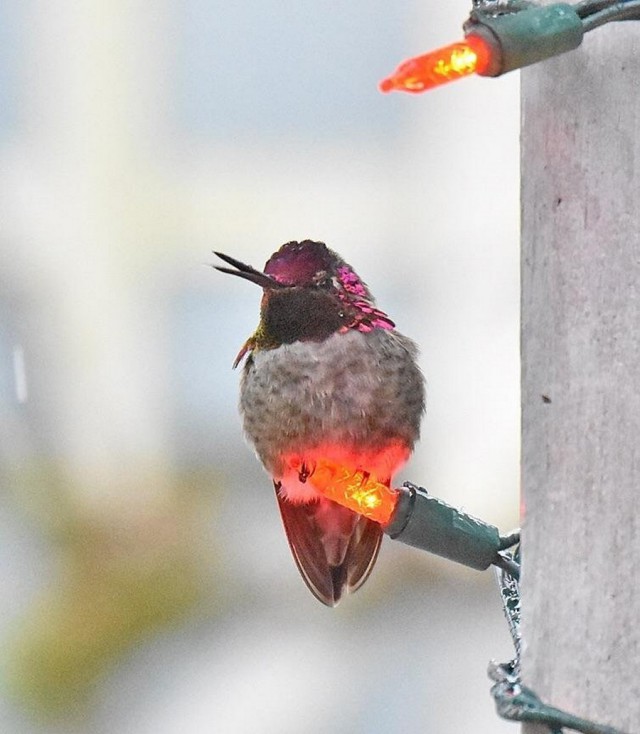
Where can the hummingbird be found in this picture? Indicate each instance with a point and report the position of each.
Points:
(326, 379)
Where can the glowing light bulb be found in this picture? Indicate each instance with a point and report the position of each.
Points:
(438, 67)
(359, 491)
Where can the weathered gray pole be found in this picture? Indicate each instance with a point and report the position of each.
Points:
(581, 378)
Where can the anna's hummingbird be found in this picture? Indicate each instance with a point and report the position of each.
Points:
(327, 381)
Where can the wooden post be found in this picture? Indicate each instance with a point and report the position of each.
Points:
(581, 378)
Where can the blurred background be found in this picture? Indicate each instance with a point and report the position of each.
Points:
(146, 583)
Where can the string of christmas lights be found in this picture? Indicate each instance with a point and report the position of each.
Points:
(501, 37)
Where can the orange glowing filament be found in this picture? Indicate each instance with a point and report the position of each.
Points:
(359, 491)
(441, 66)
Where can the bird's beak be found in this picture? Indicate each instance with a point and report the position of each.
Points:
(248, 273)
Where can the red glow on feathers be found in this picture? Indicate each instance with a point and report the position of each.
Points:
(345, 482)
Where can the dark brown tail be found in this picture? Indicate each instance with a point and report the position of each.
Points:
(335, 549)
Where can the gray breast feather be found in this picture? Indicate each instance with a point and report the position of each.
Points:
(358, 389)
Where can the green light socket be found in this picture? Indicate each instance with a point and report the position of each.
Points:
(526, 36)
(427, 523)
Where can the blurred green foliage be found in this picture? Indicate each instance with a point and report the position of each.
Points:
(120, 579)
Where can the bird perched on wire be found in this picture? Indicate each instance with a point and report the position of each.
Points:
(329, 385)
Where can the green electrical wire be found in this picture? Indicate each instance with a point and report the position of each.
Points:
(629, 10)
